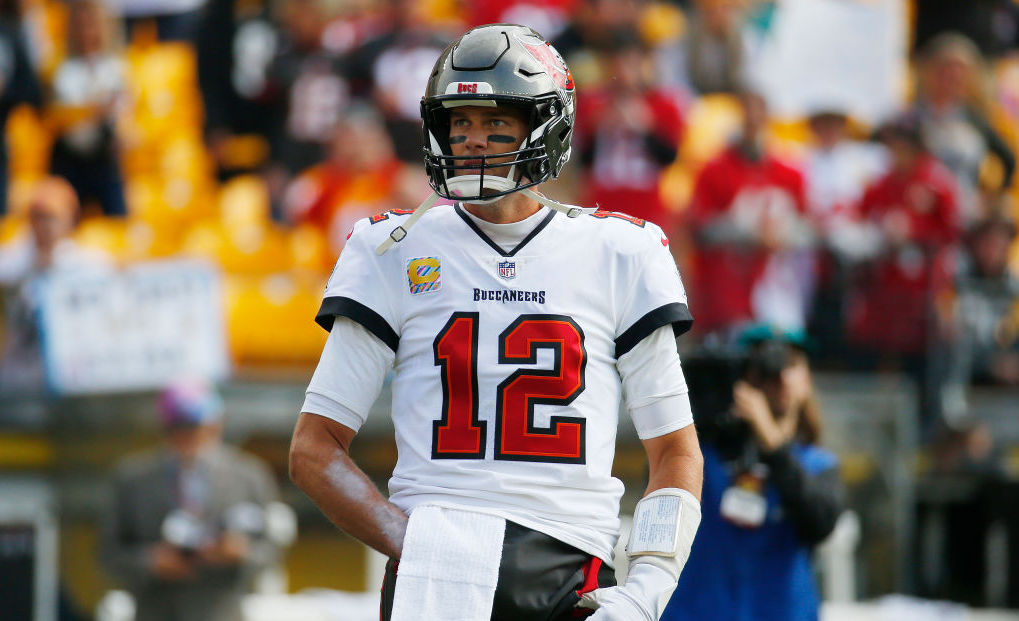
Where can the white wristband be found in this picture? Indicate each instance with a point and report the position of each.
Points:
(664, 525)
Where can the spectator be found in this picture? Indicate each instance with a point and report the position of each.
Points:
(714, 47)
(357, 181)
(986, 347)
(771, 493)
(746, 218)
(18, 82)
(837, 169)
(52, 212)
(186, 530)
(236, 45)
(629, 134)
(310, 87)
(955, 130)
(914, 212)
(896, 302)
(991, 24)
(393, 69)
(593, 25)
(87, 90)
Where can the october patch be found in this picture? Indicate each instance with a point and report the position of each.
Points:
(424, 275)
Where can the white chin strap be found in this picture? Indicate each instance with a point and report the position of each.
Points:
(571, 211)
(400, 232)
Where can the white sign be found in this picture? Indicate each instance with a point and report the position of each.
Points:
(136, 329)
(842, 54)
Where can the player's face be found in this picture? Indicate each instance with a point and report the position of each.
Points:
(483, 130)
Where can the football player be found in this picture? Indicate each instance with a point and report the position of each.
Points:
(516, 326)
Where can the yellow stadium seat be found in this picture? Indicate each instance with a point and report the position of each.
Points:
(661, 22)
(244, 152)
(162, 81)
(106, 234)
(11, 228)
(309, 249)
(676, 186)
(185, 157)
(124, 240)
(29, 143)
(249, 249)
(169, 208)
(710, 123)
(788, 138)
(282, 301)
(244, 201)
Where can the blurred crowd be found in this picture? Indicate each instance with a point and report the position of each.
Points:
(255, 133)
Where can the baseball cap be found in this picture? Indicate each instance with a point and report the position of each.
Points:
(189, 403)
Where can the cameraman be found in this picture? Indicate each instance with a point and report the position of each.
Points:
(770, 493)
(189, 524)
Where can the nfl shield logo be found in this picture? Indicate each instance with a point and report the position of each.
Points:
(508, 269)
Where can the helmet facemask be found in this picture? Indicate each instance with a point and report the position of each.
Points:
(528, 164)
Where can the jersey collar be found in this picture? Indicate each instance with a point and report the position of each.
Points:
(474, 227)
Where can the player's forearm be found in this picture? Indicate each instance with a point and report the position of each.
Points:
(675, 460)
(345, 494)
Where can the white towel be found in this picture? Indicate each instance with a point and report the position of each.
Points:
(449, 566)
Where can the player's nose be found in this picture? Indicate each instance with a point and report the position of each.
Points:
(477, 139)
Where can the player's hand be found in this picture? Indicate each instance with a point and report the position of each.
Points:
(613, 604)
(169, 564)
(643, 597)
(229, 549)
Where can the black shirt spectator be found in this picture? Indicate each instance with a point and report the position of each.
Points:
(18, 82)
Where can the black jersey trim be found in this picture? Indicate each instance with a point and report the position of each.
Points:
(675, 313)
(474, 227)
(352, 309)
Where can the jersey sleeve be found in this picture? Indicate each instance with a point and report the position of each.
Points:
(654, 387)
(349, 375)
(653, 294)
(358, 289)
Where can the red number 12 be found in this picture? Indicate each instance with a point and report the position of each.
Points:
(459, 434)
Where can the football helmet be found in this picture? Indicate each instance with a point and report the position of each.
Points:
(491, 65)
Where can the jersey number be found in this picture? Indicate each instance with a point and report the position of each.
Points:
(460, 435)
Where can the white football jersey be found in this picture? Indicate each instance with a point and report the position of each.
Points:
(506, 394)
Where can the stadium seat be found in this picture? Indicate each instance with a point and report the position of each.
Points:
(710, 122)
(124, 240)
(12, 227)
(28, 142)
(676, 186)
(309, 250)
(283, 301)
(244, 250)
(244, 201)
(788, 138)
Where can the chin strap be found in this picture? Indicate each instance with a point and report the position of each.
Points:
(400, 232)
(571, 211)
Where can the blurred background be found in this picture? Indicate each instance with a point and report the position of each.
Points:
(179, 176)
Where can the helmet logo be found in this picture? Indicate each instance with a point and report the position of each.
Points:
(554, 64)
(468, 88)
